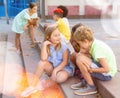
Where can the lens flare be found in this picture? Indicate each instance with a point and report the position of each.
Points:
(14, 80)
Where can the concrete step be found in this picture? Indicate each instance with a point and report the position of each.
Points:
(30, 54)
(109, 89)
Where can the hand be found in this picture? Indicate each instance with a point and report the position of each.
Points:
(54, 74)
(87, 66)
(47, 43)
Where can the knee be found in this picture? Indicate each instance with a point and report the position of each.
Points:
(62, 77)
(41, 64)
(17, 35)
(79, 59)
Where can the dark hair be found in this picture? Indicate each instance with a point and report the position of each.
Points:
(32, 4)
(65, 10)
(75, 45)
(76, 26)
(58, 12)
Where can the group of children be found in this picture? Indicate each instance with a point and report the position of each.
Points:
(93, 57)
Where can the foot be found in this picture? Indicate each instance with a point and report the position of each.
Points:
(86, 90)
(28, 91)
(18, 51)
(37, 42)
(79, 85)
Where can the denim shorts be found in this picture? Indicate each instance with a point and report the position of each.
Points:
(100, 76)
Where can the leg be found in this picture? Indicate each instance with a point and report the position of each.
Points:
(17, 41)
(62, 76)
(43, 66)
(81, 60)
(32, 32)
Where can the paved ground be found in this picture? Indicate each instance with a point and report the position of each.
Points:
(100, 28)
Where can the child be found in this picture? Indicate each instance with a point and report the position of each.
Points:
(76, 50)
(62, 26)
(54, 59)
(65, 13)
(20, 23)
(102, 65)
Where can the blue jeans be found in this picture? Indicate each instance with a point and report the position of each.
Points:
(99, 76)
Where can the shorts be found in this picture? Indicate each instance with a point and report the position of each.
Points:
(100, 76)
(70, 69)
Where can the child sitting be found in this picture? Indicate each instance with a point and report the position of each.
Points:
(101, 64)
(54, 60)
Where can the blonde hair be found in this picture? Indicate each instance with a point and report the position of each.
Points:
(83, 33)
(48, 32)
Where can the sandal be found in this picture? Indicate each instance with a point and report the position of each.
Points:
(37, 42)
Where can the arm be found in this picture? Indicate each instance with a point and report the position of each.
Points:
(104, 67)
(64, 62)
(44, 53)
(61, 66)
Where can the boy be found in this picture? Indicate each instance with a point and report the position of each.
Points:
(101, 64)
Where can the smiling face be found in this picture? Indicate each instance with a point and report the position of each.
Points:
(55, 37)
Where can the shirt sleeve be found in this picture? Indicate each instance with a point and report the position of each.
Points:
(35, 15)
(98, 53)
(27, 16)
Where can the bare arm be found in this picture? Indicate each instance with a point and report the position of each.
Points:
(64, 62)
(44, 53)
(104, 67)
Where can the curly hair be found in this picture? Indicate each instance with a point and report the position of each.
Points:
(83, 33)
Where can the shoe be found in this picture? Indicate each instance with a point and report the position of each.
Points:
(86, 90)
(79, 85)
(18, 51)
(37, 42)
(28, 91)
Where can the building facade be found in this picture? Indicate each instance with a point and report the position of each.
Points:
(84, 8)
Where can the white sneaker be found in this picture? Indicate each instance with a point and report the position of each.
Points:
(28, 91)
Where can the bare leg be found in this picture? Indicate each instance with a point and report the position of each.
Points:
(81, 60)
(32, 33)
(62, 76)
(17, 41)
(42, 66)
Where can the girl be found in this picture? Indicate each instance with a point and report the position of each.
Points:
(65, 13)
(20, 23)
(54, 59)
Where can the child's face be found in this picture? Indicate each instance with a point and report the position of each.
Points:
(54, 17)
(55, 37)
(84, 46)
(34, 9)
